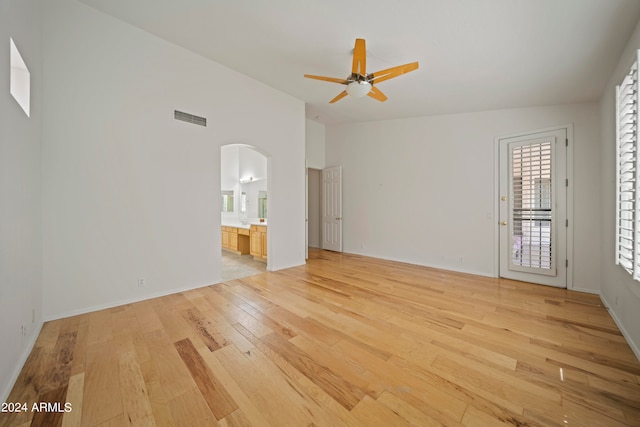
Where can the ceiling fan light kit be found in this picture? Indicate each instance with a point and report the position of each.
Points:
(359, 89)
(359, 83)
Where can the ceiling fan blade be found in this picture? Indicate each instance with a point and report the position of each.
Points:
(359, 58)
(377, 94)
(389, 73)
(339, 97)
(327, 79)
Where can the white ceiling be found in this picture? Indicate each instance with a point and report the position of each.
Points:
(474, 54)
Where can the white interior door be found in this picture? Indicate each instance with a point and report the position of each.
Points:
(533, 208)
(332, 208)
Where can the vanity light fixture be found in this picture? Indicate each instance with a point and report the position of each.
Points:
(249, 180)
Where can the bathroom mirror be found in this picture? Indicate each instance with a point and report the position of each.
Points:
(227, 200)
(262, 204)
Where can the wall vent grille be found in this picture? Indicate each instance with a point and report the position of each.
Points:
(189, 118)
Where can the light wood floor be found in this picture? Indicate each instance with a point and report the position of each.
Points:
(344, 340)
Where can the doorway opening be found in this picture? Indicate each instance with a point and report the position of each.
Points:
(244, 190)
(324, 209)
(314, 208)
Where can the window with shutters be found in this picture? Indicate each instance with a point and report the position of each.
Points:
(627, 209)
(532, 208)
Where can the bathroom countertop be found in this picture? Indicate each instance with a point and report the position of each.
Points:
(243, 224)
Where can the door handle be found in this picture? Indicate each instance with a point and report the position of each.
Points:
(339, 218)
(503, 222)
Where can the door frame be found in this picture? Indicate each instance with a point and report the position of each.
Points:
(496, 196)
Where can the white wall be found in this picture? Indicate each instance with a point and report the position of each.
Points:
(620, 293)
(315, 135)
(229, 171)
(315, 143)
(421, 190)
(131, 193)
(229, 167)
(20, 194)
(253, 164)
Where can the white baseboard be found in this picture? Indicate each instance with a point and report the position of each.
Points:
(585, 290)
(23, 359)
(113, 304)
(447, 267)
(627, 337)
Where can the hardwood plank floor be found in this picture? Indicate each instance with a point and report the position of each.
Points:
(345, 340)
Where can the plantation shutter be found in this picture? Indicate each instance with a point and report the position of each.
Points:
(627, 212)
(532, 216)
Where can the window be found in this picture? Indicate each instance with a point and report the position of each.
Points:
(532, 202)
(20, 79)
(627, 209)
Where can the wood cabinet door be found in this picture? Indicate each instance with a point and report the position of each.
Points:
(233, 241)
(225, 239)
(263, 238)
(256, 243)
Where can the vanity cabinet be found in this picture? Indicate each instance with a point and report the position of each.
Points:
(235, 240)
(258, 235)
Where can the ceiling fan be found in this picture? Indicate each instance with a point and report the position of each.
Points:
(359, 83)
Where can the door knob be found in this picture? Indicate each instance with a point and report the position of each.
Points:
(503, 222)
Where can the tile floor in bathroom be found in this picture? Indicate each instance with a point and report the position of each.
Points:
(237, 266)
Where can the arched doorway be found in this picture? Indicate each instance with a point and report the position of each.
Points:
(244, 190)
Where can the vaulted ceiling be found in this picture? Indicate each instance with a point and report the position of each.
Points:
(474, 54)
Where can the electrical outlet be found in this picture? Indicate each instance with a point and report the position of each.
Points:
(33, 315)
(141, 283)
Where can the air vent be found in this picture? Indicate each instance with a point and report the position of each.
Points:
(189, 118)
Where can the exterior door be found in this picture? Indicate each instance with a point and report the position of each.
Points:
(332, 208)
(533, 208)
